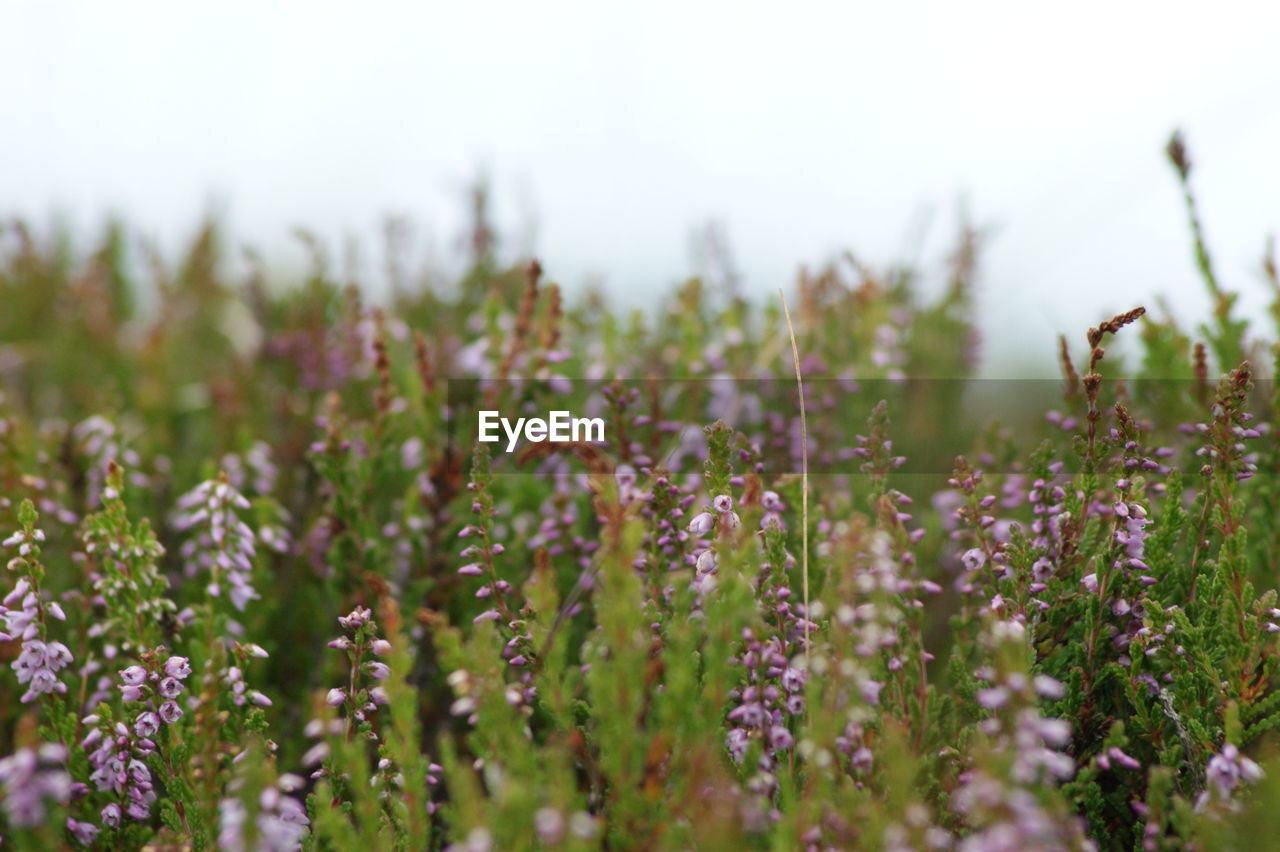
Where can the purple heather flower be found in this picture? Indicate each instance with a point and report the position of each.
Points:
(1123, 759)
(335, 697)
(147, 724)
(37, 666)
(1228, 770)
(973, 558)
(280, 825)
(993, 698)
(737, 741)
(549, 824)
(316, 754)
(223, 545)
(702, 523)
(793, 679)
(355, 619)
(178, 667)
(29, 779)
(723, 503)
(1049, 687)
(170, 712)
(22, 616)
(84, 832)
(255, 651)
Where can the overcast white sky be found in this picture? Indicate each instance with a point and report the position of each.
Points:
(804, 128)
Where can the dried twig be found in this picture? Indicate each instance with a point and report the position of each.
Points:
(804, 477)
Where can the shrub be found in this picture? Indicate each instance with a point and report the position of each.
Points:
(266, 591)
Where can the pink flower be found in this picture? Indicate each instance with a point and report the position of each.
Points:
(134, 676)
(147, 724)
(993, 698)
(702, 523)
(179, 667)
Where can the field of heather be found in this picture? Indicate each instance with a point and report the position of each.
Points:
(812, 585)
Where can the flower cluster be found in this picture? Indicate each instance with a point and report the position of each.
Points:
(234, 681)
(279, 826)
(665, 510)
(24, 612)
(773, 693)
(118, 757)
(705, 524)
(518, 649)
(363, 694)
(99, 442)
(159, 684)
(1012, 819)
(1225, 434)
(32, 778)
(122, 563)
(223, 547)
(1225, 774)
(119, 753)
(1000, 797)
(254, 471)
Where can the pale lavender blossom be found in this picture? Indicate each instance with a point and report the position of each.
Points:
(702, 524)
(147, 724)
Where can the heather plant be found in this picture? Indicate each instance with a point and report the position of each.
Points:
(265, 589)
